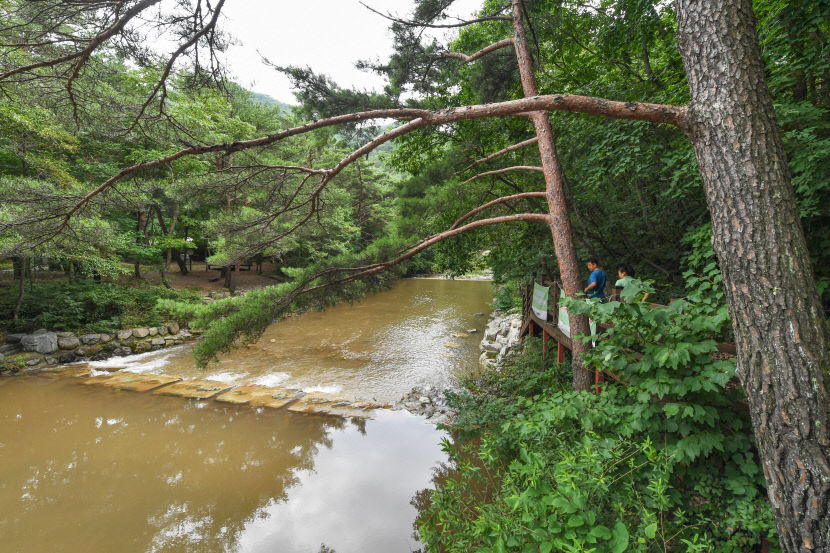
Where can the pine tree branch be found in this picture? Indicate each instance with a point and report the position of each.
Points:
(83, 55)
(483, 52)
(417, 118)
(408, 23)
(497, 201)
(168, 68)
(426, 243)
(504, 170)
(503, 151)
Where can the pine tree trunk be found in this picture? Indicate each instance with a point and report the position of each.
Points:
(560, 221)
(780, 330)
(21, 290)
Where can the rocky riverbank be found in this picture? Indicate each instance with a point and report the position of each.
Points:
(427, 402)
(501, 336)
(44, 347)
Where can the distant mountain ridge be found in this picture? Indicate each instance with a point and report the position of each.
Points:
(264, 99)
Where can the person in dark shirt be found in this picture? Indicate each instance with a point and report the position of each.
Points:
(596, 282)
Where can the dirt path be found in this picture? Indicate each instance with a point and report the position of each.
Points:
(201, 279)
(198, 279)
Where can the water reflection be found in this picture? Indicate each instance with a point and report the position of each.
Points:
(97, 470)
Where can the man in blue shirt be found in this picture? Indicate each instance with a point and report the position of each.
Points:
(596, 282)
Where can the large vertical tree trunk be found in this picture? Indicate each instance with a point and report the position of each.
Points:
(560, 221)
(780, 330)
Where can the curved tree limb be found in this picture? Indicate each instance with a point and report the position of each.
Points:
(427, 242)
(501, 200)
(422, 24)
(263, 166)
(483, 52)
(417, 118)
(83, 55)
(503, 151)
(160, 85)
(504, 170)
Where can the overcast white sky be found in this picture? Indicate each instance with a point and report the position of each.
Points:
(327, 35)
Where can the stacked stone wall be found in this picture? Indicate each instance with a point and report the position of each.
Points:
(44, 347)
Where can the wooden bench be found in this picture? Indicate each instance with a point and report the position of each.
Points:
(209, 267)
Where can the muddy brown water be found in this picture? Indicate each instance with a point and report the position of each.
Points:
(87, 469)
(378, 348)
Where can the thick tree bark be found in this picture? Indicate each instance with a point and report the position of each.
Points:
(560, 220)
(780, 330)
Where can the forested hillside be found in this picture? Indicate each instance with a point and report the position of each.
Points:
(547, 133)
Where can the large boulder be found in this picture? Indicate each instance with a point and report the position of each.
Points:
(490, 346)
(88, 351)
(153, 331)
(68, 343)
(140, 332)
(14, 338)
(104, 338)
(87, 339)
(40, 342)
(124, 335)
(173, 328)
(158, 341)
(141, 347)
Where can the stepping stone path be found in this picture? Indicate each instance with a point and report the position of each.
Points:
(259, 396)
(253, 395)
(328, 404)
(194, 389)
(131, 382)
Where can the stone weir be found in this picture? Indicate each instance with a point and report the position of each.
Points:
(44, 348)
(251, 395)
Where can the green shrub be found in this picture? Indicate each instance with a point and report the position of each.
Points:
(664, 462)
(86, 305)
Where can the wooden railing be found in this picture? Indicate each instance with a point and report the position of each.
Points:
(549, 326)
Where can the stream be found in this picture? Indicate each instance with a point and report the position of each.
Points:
(87, 469)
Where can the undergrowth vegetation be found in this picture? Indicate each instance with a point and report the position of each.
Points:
(86, 305)
(661, 460)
